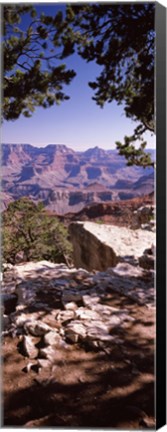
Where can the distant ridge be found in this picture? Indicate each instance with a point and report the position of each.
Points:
(67, 180)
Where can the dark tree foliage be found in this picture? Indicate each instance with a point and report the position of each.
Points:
(33, 74)
(28, 229)
(120, 38)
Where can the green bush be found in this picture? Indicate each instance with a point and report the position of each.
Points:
(27, 228)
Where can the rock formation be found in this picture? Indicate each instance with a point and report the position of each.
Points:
(65, 180)
(99, 246)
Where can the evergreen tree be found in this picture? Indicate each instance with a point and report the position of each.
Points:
(29, 229)
(33, 73)
(118, 37)
(121, 39)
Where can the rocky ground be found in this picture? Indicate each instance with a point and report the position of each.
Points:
(78, 346)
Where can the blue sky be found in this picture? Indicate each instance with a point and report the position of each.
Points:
(78, 123)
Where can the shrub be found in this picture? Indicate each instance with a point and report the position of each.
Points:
(29, 229)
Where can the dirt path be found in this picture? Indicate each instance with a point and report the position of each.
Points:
(84, 387)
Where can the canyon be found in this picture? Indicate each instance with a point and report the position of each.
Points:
(66, 180)
(78, 340)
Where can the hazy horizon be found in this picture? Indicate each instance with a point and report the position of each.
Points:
(68, 146)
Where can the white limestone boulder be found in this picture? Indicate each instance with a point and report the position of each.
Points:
(101, 246)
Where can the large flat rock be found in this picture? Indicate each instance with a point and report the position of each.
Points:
(98, 246)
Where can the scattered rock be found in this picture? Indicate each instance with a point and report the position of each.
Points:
(69, 297)
(75, 331)
(52, 338)
(36, 328)
(28, 347)
(90, 301)
(43, 363)
(50, 319)
(82, 315)
(47, 353)
(98, 333)
(70, 306)
(28, 367)
(7, 266)
(86, 314)
(72, 336)
(147, 261)
(127, 270)
(64, 316)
